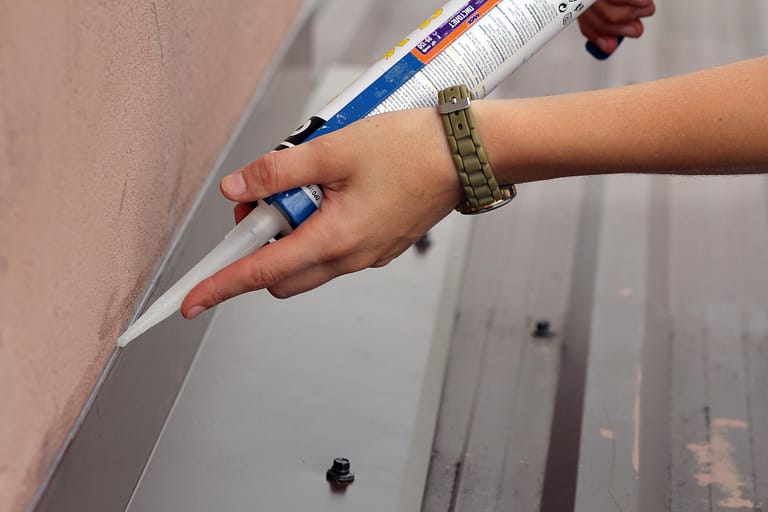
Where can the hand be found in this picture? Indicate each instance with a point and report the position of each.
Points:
(606, 20)
(387, 180)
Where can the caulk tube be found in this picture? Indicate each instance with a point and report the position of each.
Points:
(279, 214)
(355, 102)
(473, 42)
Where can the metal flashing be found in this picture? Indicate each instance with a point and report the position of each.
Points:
(104, 455)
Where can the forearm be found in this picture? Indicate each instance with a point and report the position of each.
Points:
(713, 121)
(387, 179)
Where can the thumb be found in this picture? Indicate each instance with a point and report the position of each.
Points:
(276, 172)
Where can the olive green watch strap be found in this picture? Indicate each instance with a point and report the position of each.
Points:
(481, 190)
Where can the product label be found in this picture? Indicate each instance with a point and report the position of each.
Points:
(450, 31)
(486, 45)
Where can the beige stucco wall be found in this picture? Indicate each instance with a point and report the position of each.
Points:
(112, 114)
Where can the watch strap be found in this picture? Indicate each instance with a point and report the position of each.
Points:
(481, 190)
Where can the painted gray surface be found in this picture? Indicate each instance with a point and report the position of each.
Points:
(112, 441)
(609, 447)
(501, 381)
(664, 268)
(280, 388)
(559, 489)
(660, 402)
(671, 425)
(719, 293)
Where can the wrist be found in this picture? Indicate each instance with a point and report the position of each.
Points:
(440, 161)
(508, 147)
(528, 140)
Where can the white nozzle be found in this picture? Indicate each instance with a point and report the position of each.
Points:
(255, 230)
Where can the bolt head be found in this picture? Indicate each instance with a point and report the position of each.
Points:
(341, 465)
(542, 329)
(339, 471)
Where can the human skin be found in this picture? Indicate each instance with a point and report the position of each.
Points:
(378, 201)
(606, 20)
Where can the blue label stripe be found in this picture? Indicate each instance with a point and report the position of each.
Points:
(370, 98)
(392, 79)
(295, 204)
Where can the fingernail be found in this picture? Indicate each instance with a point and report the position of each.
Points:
(599, 47)
(596, 51)
(603, 43)
(195, 311)
(234, 184)
(630, 30)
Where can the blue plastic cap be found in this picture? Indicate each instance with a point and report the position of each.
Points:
(295, 204)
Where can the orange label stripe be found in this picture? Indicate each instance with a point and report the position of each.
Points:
(455, 33)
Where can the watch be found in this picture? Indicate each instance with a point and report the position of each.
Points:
(482, 192)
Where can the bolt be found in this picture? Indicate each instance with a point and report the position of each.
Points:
(423, 243)
(339, 472)
(542, 330)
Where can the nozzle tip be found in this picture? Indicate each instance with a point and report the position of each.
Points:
(133, 331)
(122, 341)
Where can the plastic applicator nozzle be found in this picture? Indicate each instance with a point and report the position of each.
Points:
(255, 230)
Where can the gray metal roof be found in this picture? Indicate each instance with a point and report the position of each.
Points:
(656, 288)
(657, 294)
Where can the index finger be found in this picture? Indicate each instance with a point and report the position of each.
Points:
(261, 269)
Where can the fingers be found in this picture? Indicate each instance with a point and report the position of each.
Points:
(594, 27)
(377, 202)
(261, 269)
(609, 20)
(611, 14)
(321, 273)
(306, 280)
(303, 253)
(278, 171)
(608, 23)
(606, 44)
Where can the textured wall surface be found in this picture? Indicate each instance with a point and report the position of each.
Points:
(111, 116)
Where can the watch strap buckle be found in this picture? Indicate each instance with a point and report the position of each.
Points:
(454, 105)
